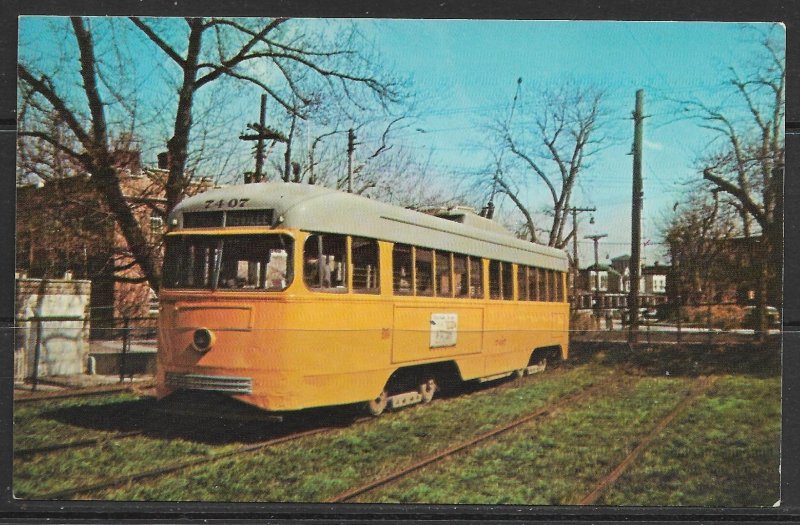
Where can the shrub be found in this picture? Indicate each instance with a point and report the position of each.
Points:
(724, 317)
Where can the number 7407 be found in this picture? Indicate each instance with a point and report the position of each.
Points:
(222, 203)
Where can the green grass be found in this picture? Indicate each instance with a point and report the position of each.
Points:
(53, 472)
(54, 422)
(555, 462)
(318, 467)
(722, 452)
(38, 423)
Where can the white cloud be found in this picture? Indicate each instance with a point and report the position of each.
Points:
(653, 145)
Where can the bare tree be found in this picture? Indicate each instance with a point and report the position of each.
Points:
(284, 62)
(748, 160)
(698, 235)
(549, 143)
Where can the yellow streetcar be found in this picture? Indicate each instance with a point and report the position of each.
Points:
(291, 296)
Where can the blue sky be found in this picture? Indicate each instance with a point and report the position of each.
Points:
(465, 72)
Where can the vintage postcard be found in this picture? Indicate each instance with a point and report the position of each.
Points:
(494, 262)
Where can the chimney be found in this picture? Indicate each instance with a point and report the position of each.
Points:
(163, 160)
(126, 159)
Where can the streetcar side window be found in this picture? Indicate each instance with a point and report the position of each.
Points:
(544, 286)
(325, 263)
(460, 283)
(554, 286)
(507, 280)
(559, 287)
(541, 287)
(475, 278)
(401, 269)
(365, 265)
(495, 290)
(533, 275)
(443, 288)
(549, 282)
(423, 268)
(522, 283)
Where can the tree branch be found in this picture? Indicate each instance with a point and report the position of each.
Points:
(737, 192)
(535, 168)
(158, 41)
(43, 86)
(383, 147)
(518, 203)
(240, 56)
(50, 140)
(87, 59)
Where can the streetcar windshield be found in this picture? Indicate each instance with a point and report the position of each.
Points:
(248, 262)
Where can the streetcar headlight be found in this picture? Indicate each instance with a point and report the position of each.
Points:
(202, 339)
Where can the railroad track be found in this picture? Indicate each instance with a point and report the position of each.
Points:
(543, 412)
(169, 469)
(83, 443)
(701, 386)
(80, 443)
(80, 392)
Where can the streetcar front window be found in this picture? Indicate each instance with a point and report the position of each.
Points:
(245, 262)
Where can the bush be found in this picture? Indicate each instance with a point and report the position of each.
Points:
(581, 322)
(724, 317)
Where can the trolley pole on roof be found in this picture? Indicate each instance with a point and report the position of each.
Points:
(636, 215)
(575, 266)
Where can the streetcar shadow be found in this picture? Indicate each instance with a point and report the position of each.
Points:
(210, 421)
(689, 360)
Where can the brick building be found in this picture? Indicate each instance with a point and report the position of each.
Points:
(63, 228)
(729, 273)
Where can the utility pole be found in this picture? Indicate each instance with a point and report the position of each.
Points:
(351, 146)
(575, 266)
(262, 132)
(287, 156)
(259, 175)
(596, 306)
(677, 288)
(636, 214)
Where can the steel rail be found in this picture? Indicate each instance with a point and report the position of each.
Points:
(438, 456)
(121, 480)
(700, 387)
(93, 391)
(26, 452)
(169, 469)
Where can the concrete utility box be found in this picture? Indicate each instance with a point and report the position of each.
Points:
(54, 312)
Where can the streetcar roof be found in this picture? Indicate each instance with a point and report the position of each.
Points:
(319, 209)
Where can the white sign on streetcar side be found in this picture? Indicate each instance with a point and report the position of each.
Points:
(444, 330)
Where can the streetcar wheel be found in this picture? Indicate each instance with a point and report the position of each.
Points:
(378, 405)
(540, 363)
(427, 389)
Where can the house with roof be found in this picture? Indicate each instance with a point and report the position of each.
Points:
(609, 285)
